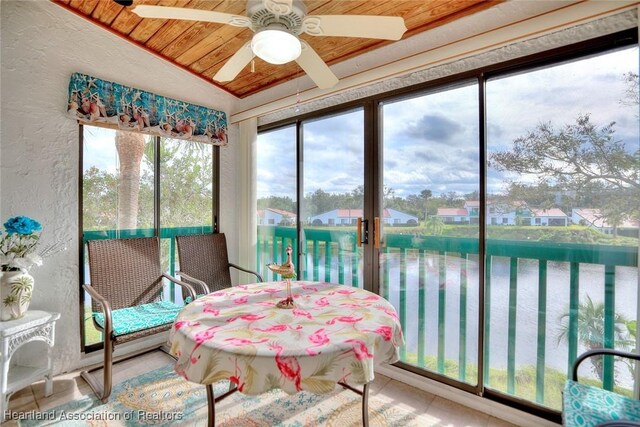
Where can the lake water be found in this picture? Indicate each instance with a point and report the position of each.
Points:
(591, 283)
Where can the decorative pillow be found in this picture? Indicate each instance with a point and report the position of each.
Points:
(141, 317)
(585, 405)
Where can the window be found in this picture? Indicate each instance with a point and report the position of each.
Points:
(135, 185)
(422, 153)
(276, 189)
(550, 130)
(431, 162)
(332, 182)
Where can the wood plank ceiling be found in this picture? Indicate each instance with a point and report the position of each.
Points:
(202, 48)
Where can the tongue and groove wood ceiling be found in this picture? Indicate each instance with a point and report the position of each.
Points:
(202, 48)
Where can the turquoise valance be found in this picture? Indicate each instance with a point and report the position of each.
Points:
(97, 101)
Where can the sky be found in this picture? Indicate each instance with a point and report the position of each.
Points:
(431, 141)
(99, 149)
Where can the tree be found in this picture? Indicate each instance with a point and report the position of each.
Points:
(186, 177)
(435, 225)
(130, 147)
(99, 189)
(578, 157)
(474, 195)
(541, 195)
(318, 202)
(413, 204)
(426, 194)
(355, 199)
(591, 330)
(631, 95)
(453, 199)
(277, 202)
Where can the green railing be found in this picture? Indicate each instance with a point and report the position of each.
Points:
(321, 248)
(334, 251)
(324, 247)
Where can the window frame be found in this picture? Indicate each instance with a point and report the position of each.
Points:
(575, 51)
(215, 212)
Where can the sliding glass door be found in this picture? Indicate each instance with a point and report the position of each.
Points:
(428, 249)
(333, 203)
(498, 212)
(562, 224)
(277, 202)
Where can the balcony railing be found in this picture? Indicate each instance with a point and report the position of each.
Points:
(407, 255)
(410, 261)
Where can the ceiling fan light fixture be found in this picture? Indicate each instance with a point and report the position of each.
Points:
(276, 46)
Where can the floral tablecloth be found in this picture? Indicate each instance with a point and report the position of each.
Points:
(335, 333)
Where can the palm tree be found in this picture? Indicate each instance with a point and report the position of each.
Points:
(591, 330)
(130, 147)
(426, 194)
(435, 224)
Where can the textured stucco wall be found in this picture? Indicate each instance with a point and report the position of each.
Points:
(41, 45)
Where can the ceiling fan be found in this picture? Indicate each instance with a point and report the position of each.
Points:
(277, 25)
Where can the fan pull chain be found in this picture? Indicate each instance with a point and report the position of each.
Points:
(297, 109)
(253, 65)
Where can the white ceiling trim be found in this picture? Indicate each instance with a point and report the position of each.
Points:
(541, 18)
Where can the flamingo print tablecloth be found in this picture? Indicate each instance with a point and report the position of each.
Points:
(335, 333)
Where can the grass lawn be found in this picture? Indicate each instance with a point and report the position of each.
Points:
(525, 380)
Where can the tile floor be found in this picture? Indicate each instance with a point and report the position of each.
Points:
(438, 411)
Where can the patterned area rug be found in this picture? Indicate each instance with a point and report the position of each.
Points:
(163, 398)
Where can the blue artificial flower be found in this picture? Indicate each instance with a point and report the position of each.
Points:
(22, 225)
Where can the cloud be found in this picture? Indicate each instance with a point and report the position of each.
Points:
(432, 141)
(432, 127)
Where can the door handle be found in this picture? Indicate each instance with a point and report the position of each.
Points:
(359, 234)
(376, 232)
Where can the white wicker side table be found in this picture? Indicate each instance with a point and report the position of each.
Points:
(35, 325)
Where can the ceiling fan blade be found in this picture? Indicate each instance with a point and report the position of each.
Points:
(235, 64)
(316, 68)
(167, 12)
(366, 26)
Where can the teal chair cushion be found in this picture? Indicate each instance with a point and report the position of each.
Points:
(141, 317)
(584, 405)
(188, 299)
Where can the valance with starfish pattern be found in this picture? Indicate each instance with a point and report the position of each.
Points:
(96, 101)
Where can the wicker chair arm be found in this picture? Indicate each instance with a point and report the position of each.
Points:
(597, 352)
(194, 280)
(247, 271)
(106, 308)
(190, 288)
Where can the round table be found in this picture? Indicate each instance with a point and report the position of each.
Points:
(334, 335)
